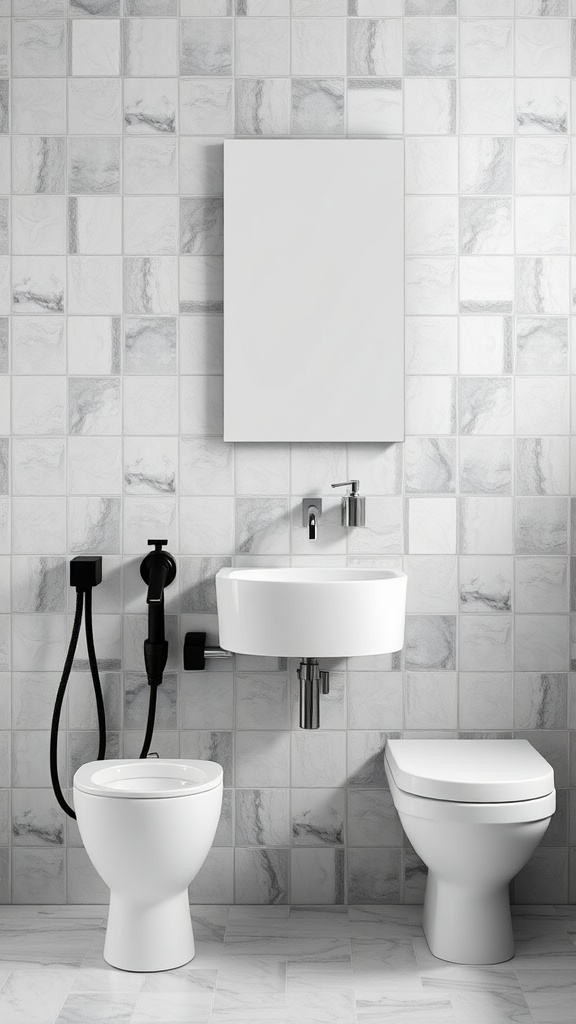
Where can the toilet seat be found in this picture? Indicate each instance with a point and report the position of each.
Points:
(470, 771)
(149, 779)
(487, 782)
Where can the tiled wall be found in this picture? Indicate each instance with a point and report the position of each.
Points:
(110, 171)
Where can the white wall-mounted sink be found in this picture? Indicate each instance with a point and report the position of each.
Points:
(311, 613)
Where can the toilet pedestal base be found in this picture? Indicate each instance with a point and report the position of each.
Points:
(149, 937)
(467, 927)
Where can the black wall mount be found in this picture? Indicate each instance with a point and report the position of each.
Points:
(196, 652)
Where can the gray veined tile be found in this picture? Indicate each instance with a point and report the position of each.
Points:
(542, 583)
(485, 643)
(39, 584)
(375, 47)
(150, 105)
(4, 106)
(150, 345)
(150, 465)
(541, 525)
(151, 8)
(318, 817)
(542, 465)
(486, 583)
(150, 47)
(38, 164)
(263, 106)
(95, 8)
(206, 47)
(36, 818)
(430, 465)
(317, 876)
(485, 405)
(430, 642)
(38, 284)
(374, 106)
(486, 165)
(430, 46)
(206, 106)
(262, 817)
(486, 226)
(428, 7)
(540, 700)
(94, 165)
(201, 226)
(261, 876)
(373, 875)
(542, 345)
(318, 106)
(39, 47)
(542, 106)
(366, 758)
(485, 465)
(542, 8)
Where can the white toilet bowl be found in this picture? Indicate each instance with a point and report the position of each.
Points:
(474, 811)
(148, 826)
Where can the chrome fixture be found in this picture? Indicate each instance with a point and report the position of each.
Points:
(196, 652)
(353, 505)
(313, 682)
(311, 512)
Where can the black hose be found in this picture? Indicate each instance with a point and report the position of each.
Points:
(150, 722)
(62, 691)
(95, 678)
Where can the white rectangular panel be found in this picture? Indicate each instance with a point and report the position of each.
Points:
(313, 290)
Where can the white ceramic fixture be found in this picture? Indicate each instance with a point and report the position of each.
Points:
(474, 811)
(148, 826)
(311, 612)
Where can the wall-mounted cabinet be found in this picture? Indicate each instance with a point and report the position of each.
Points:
(313, 290)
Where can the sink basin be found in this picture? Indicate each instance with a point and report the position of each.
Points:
(311, 613)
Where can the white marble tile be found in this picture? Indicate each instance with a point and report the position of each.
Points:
(431, 165)
(486, 47)
(150, 47)
(486, 106)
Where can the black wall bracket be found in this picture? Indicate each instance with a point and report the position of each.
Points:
(196, 652)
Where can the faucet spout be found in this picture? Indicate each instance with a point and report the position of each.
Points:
(311, 512)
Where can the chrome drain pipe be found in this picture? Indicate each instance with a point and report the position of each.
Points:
(313, 682)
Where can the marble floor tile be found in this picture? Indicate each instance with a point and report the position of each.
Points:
(285, 965)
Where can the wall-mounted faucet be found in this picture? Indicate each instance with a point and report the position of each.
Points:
(353, 505)
(311, 512)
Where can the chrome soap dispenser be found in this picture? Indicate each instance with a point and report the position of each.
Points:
(353, 505)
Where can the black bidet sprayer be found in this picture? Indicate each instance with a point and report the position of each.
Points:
(85, 573)
(158, 570)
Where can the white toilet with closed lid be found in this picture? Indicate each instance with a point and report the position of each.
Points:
(474, 811)
(148, 826)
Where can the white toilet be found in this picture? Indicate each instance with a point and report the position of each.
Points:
(474, 811)
(148, 826)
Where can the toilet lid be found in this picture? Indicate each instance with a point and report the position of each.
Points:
(470, 771)
(149, 779)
